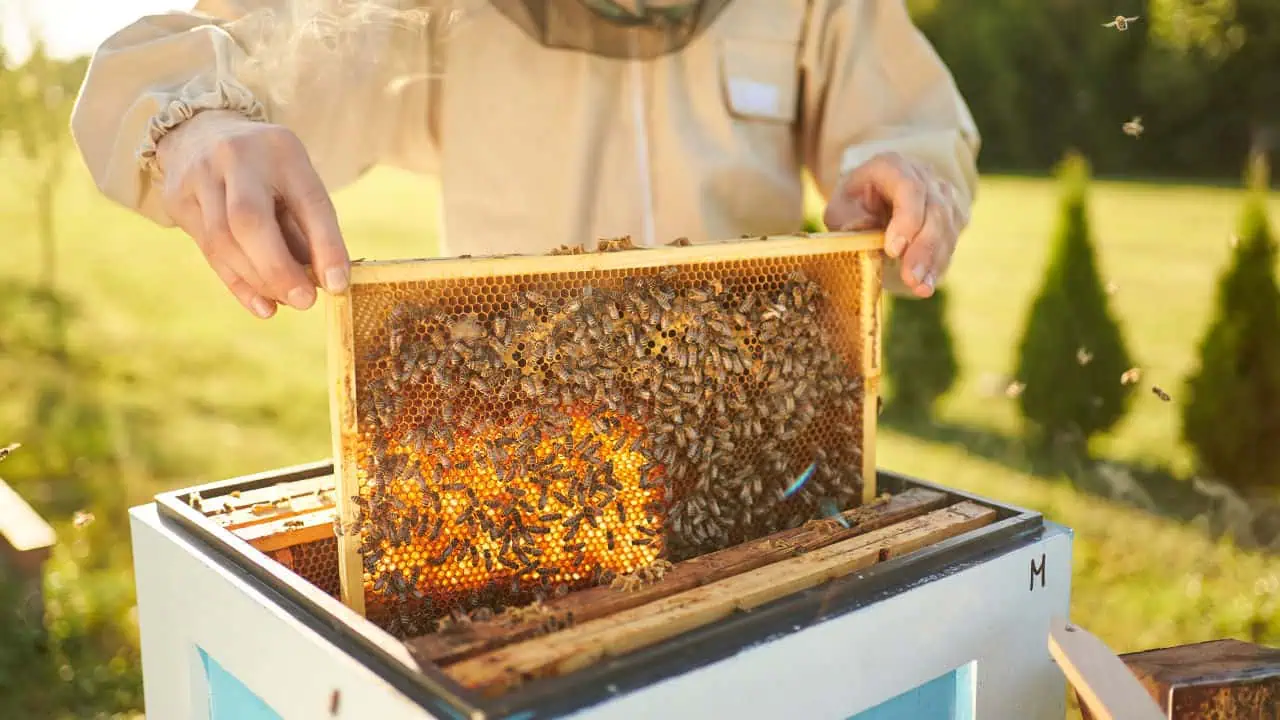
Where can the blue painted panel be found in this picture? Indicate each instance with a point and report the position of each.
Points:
(229, 699)
(949, 697)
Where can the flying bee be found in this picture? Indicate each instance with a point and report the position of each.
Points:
(1160, 393)
(1120, 23)
(1083, 356)
(1134, 127)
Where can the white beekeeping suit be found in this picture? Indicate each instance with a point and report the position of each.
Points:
(547, 122)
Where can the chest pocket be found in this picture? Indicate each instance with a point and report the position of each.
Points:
(759, 80)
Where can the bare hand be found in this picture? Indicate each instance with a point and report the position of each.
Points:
(920, 213)
(247, 193)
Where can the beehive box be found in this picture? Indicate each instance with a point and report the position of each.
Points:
(513, 427)
(535, 651)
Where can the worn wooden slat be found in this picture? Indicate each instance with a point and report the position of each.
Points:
(240, 521)
(1224, 678)
(599, 602)
(577, 647)
(279, 534)
(1104, 685)
(236, 510)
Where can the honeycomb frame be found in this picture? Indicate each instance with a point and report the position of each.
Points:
(452, 282)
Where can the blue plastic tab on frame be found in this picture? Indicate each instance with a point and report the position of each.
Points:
(230, 699)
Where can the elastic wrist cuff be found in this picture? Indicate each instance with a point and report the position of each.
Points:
(195, 98)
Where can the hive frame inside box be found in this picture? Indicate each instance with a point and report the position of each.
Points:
(344, 402)
(428, 686)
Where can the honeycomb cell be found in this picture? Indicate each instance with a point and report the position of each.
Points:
(522, 433)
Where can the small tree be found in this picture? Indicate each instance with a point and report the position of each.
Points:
(1231, 410)
(1072, 353)
(919, 360)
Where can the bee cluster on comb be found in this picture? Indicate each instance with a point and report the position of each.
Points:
(523, 436)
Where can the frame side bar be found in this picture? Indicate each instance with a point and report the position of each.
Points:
(342, 419)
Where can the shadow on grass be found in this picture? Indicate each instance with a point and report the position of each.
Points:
(1149, 488)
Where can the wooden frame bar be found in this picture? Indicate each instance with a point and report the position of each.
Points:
(342, 375)
(598, 602)
(581, 645)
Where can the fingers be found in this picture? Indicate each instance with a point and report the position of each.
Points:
(189, 215)
(927, 256)
(251, 217)
(228, 261)
(925, 217)
(309, 203)
(902, 188)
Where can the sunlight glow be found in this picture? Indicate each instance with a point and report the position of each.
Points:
(71, 27)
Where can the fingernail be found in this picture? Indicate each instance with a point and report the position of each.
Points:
(335, 280)
(930, 280)
(262, 307)
(918, 272)
(894, 245)
(301, 297)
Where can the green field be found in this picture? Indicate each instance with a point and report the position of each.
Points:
(170, 383)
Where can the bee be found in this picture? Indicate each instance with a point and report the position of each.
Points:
(679, 242)
(1134, 127)
(335, 702)
(194, 501)
(1131, 376)
(1083, 356)
(1160, 393)
(1120, 23)
(1014, 389)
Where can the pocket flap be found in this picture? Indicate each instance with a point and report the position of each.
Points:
(760, 79)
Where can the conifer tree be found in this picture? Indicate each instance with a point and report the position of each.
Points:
(919, 358)
(1072, 354)
(1231, 405)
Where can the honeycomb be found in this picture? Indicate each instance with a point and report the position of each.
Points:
(317, 563)
(537, 433)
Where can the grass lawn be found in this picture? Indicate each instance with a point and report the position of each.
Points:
(188, 387)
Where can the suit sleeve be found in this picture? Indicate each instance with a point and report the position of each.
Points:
(874, 84)
(353, 88)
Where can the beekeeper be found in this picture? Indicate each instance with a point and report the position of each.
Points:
(546, 121)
